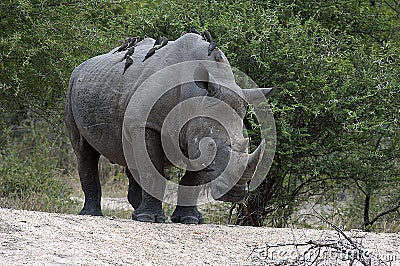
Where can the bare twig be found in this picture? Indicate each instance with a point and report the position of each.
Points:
(230, 213)
(391, 7)
(326, 252)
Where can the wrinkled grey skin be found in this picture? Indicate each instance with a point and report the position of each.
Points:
(97, 98)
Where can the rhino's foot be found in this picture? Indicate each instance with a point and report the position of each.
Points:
(149, 217)
(187, 215)
(91, 207)
(91, 211)
(150, 210)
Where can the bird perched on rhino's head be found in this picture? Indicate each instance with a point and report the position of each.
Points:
(207, 35)
(211, 47)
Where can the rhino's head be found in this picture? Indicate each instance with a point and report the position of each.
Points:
(226, 162)
(232, 168)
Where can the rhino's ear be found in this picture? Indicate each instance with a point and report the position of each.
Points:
(258, 95)
(204, 80)
(201, 77)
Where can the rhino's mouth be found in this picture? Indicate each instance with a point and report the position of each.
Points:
(236, 194)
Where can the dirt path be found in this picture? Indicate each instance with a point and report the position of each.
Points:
(34, 238)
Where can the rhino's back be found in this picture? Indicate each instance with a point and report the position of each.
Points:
(99, 93)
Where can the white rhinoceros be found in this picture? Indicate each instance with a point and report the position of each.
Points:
(100, 99)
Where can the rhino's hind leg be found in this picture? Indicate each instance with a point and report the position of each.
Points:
(150, 209)
(135, 191)
(187, 214)
(88, 159)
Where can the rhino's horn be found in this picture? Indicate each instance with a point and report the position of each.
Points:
(254, 159)
(258, 95)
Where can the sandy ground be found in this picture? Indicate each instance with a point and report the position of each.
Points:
(35, 238)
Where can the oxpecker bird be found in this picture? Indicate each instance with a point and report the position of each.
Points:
(128, 39)
(158, 41)
(128, 63)
(133, 41)
(164, 41)
(150, 53)
(129, 52)
(211, 47)
(193, 30)
(124, 45)
(207, 35)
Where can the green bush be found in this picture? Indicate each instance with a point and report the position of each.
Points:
(30, 173)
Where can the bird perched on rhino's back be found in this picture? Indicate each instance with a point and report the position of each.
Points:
(124, 45)
(158, 44)
(158, 41)
(150, 53)
(218, 56)
(129, 52)
(129, 42)
(133, 41)
(128, 63)
(164, 41)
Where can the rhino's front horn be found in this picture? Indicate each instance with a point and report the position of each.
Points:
(258, 95)
(254, 159)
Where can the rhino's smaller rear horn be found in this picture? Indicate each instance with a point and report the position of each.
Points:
(258, 95)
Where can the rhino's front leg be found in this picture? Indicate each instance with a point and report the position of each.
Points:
(150, 209)
(186, 211)
(187, 215)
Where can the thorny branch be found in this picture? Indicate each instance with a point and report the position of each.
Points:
(394, 209)
(341, 251)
